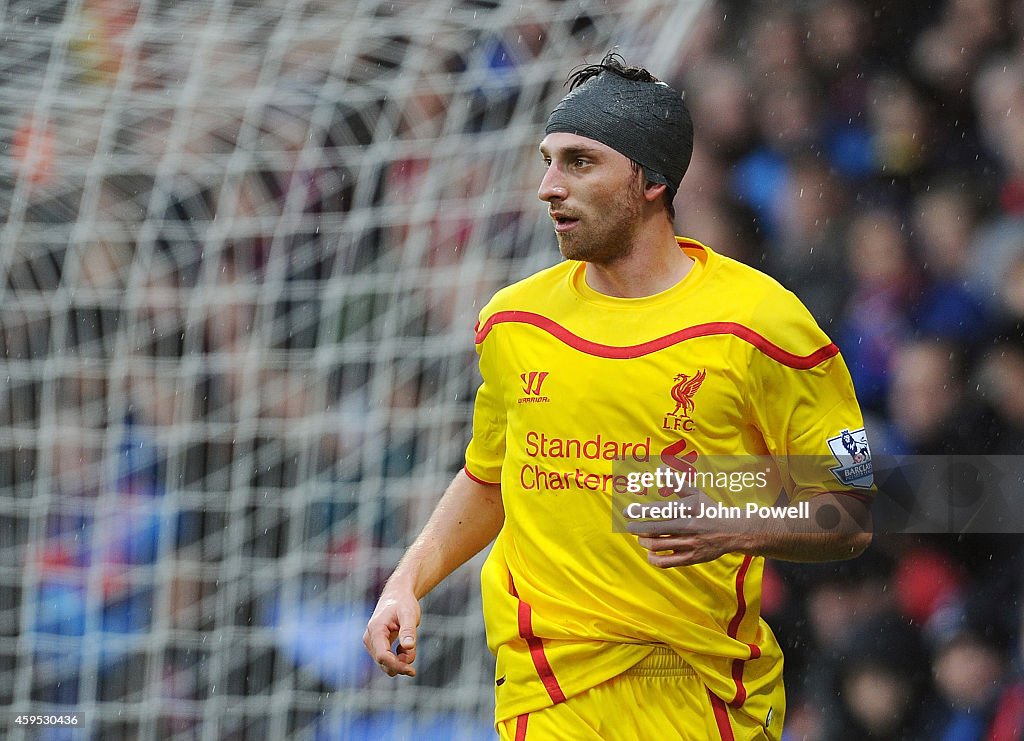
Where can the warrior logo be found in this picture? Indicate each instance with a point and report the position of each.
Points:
(682, 393)
(532, 383)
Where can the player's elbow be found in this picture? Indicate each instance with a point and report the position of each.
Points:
(856, 544)
(855, 531)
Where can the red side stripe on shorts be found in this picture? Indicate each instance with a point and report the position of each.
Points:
(734, 628)
(721, 717)
(521, 726)
(536, 645)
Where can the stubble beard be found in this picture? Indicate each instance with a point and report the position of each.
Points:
(603, 239)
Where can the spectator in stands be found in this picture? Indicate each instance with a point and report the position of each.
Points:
(971, 670)
(949, 306)
(946, 54)
(721, 93)
(875, 318)
(1001, 380)
(806, 254)
(998, 94)
(900, 137)
(884, 688)
(930, 409)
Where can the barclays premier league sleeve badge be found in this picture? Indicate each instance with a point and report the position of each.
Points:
(850, 449)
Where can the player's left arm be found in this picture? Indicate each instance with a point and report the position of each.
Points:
(802, 412)
(838, 527)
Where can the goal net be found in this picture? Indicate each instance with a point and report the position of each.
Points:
(243, 249)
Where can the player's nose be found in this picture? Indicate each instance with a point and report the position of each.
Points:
(552, 186)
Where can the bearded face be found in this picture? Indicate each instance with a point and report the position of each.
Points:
(594, 196)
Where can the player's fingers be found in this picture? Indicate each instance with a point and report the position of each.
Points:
(398, 660)
(657, 528)
(377, 638)
(392, 666)
(673, 559)
(688, 554)
(408, 622)
(407, 656)
(374, 646)
(389, 663)
(666, 543)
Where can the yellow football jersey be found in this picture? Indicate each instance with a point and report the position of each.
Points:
(577, 384)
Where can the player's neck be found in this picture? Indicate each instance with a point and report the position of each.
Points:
(655, 264)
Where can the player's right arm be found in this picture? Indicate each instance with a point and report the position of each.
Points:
(467, 518)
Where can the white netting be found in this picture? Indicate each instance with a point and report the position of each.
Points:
(244, 247)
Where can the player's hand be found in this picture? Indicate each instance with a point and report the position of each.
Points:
(686, 541)
(673, 543)
(396, 617)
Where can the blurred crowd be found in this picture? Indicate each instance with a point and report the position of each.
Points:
(870, 155)
(244, 247)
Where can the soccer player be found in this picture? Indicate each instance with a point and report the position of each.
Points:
(641, 349)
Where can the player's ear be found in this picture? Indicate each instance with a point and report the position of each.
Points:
(653, 191)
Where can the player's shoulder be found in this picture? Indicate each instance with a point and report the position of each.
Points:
(765, 307)
(533, 293)
(749, 286)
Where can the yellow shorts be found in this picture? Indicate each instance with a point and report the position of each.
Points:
(661, 697)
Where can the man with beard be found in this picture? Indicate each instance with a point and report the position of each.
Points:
(641, 349)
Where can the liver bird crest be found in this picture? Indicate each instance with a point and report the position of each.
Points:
(684, 389)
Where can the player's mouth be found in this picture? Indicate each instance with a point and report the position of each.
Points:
(564, 223)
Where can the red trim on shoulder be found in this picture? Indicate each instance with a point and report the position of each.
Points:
(521, 722)
(628, 352)
(477, 478)
(536, 645)
(721, 717)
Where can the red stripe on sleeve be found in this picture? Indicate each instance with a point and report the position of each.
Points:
(536, 645)
(627, 352)
(477, 478)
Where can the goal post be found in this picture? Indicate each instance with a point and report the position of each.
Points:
(243, 250)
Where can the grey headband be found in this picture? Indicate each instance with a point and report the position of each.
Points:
(646, 121)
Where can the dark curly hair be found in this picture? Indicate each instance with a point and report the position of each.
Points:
(613, 63)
